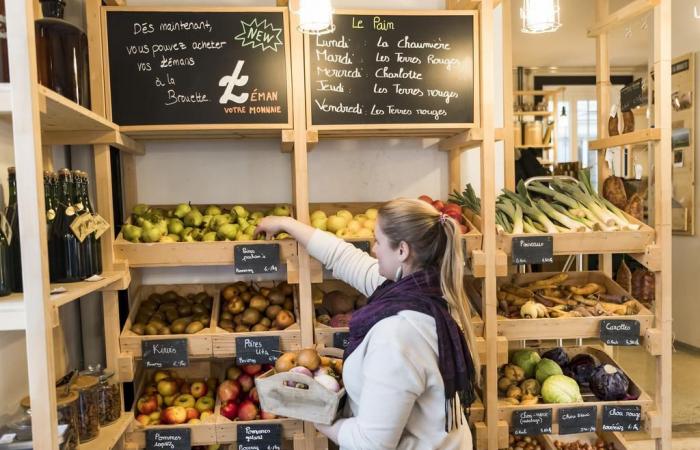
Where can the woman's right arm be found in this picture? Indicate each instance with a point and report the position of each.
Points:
(348, 263)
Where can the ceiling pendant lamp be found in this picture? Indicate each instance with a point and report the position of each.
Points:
(540, 16)
(315, 17)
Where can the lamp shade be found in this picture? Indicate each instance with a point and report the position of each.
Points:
(540, 16)
(315, 17)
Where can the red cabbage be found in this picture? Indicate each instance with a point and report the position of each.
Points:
(558, 355)
(580, 368)
(609, 383)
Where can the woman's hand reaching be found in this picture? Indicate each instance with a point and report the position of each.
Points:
(272, 225)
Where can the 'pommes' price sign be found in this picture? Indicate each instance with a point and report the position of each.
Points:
(622, 418)
(165, 353)
(619, 332)
(259, 437)
(257, 350)
(530, 422)
(170, 439)
(533, 250)
(577, 420)
(254, 259)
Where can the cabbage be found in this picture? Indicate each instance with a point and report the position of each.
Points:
(561, 389)
(558, 355)
(526, 360)
(545, 369)
(609, 383)
(580, 368)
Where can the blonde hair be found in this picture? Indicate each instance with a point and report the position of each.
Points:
(433, 243)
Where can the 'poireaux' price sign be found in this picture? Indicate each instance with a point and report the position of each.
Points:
(165, 353)
(533, 250)
(257, 350)
(254, 259)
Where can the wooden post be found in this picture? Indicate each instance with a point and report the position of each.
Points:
(662, 213)
(509, 138)
(26, 129)
(455, 170)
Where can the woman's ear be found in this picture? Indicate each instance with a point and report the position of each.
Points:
(404, 251)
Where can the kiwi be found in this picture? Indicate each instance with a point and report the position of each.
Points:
(184, 310)
(208, 302)
(199, 309)
(155, 298)
(178, 327)
(151, 329)
(138, 328)
(204, 318)
(241, 329)
(149, 305)
(158, 323)
(272, 311)
(226, 324)
(170, 296)
(276, 296)
(259, 327)
(251, 316)
(225, 315)
(194, 327)
(259, 302)
(238, 319)
(158, 316)
(265, 321)
(164, 330)
(143, 317)
(246, 296)
(288, 304)
(200, 297)
(172, 315)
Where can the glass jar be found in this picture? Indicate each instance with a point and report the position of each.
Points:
(66, 413)
(110, 398)
(87, 388)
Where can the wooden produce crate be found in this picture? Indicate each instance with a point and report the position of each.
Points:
(199, 345)
(505, 410)
(593, 242)
(224, 342)
(175, 254)
(566, 327)
(476, 411)
(202, 433)
(548, 440)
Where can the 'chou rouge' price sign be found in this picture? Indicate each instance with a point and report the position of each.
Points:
(390, 69)
(171, 66)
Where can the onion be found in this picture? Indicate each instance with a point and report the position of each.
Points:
(328, 382)
(302, 370)
(322, 371)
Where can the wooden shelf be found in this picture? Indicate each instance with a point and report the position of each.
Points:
(544, 93)
(110, 435)
(635, 137)
(202, 132)
(534, 146)
(532, 113)
(12, 313)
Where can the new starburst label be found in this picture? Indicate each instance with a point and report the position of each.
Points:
(260, 33)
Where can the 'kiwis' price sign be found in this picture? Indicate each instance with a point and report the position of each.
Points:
(165, 353)
(530, 422)
(577, 420)
(620, 332)
(170, 439)
(254, 259)
(533, 250)
(259, 437)
(257, 350)
(622, 418)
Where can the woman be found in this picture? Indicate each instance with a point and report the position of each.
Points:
(407, 363)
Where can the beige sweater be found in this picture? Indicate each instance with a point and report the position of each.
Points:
(396, 397)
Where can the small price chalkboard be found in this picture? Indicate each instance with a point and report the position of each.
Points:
(165, 353)
(633, 95)
(533, 250)
(256, 258)
(341, 339)
(259, 437)
(622, 418)
(577, 420)
(531, 422)
(362, 245)
(170, 439)
(257, 350)
(621, 332)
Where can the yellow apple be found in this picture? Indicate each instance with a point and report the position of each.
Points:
(335, 223)
(353, 226)
(361, 218)
(318, 215)
(372, 213)
(319, 222)
(344, 213)
(365, 233)
(369, 224)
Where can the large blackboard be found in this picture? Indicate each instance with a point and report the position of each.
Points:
(179, 67)
(393, 69)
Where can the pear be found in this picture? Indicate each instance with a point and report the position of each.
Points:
(212, 210)
(244, 237)
(140, 221)
(343, 233)
(166, 239)
(153, 234)
(344, 213)
(240, 211)
(206, 219)
(197, 234)
(371, 213)
(227, 231)
(210, 236)
(172, 237)
(187, 235)
(181, 210)
(193, 219)
(318, 214)
(281, 211)
(243, 223)
(218, 221)
(131, 232)
(335, 223)
(320, 223)
(257, 215)
(250, 229)
(175, 226)
(140, 209)
(162, 226)
(157, 214)
(282, 236)
(146, 225)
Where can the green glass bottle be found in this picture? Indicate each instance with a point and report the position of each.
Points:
(5, 266)
(12, 216)
(96, 243)
(66, 246)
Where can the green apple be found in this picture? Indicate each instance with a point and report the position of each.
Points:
(185, 400)
(166, 239)
(204, 404)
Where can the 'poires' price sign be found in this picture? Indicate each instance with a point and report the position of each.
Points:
(257, 350)
(266, 436)
(165, 353)
(256, 259)
(533, 250)
(622, 418)
(620, 332)
(169, 439)
(531, 422)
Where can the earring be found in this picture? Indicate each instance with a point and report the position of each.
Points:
(399, 273)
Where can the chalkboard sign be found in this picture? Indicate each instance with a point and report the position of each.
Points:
(256, 258)
(168, 439)
(622, 418)
(633, 95)
(621, 332)
(533, 250)
(392, 69)
(259, 437)
(577, 420)
(173, 66)
(362, 245)
(341, 339)
(257, 349)
(530, 422)
(165, 353)
(680, 66)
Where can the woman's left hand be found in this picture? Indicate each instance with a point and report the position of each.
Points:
(330, 431)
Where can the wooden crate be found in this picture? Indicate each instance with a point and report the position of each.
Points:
(202, 433)
(505, 411)
(175, 254)
(224, 342)
(547, 440)
(566, 327)
(594, 242)
(199, 345)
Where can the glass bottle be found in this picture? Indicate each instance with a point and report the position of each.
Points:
(51, 223)
(5, 266)
(97, 245)
(87, 246)
(12, 217)
(62, 55)
(4, 59)
(66, 246)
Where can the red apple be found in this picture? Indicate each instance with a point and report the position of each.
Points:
(246, 382)
(147, 404)
(174, 415)
(229, 410)
(247, 410)
(267, 416)
(199, 389)
(233, 373)
(143, 419)
(205, 404)
(251, 369)
(184, 400)
(426, 199)
(229, 390)
(253, 395)
(439, 205)
(192, 413)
